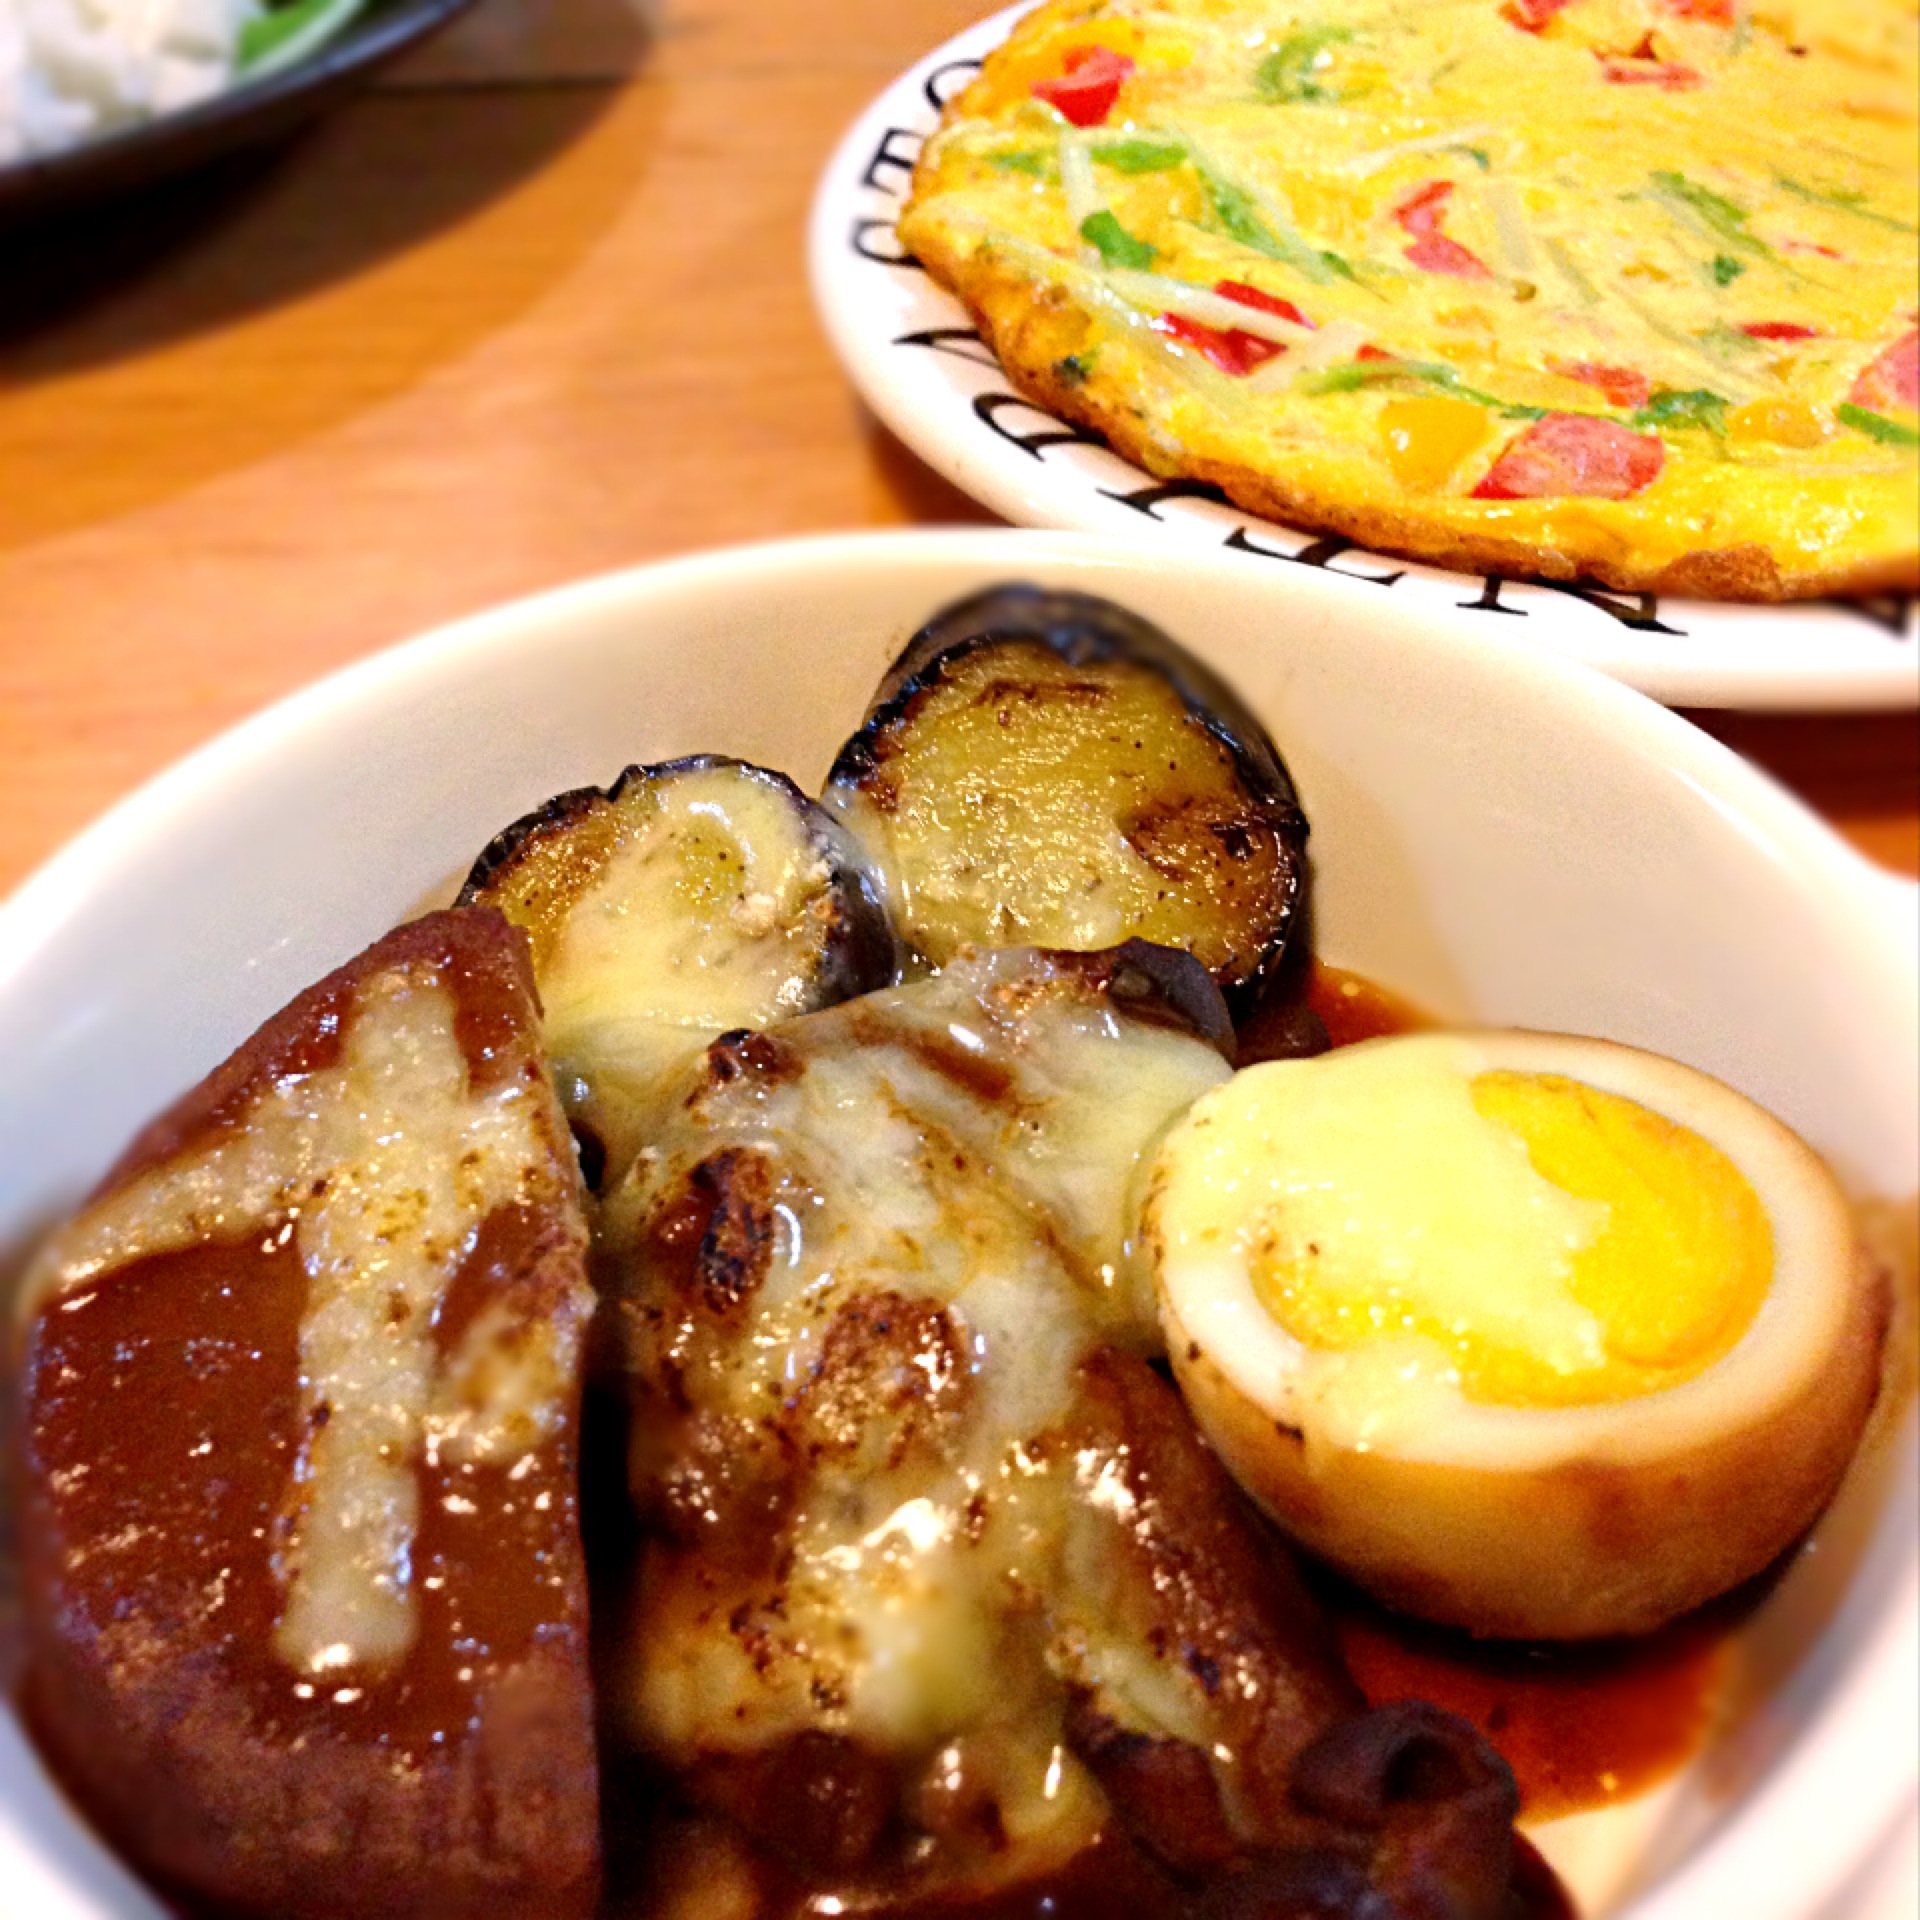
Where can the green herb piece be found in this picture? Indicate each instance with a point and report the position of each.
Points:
(1569, 269)
(1434, 373)
(1361, 373)
(1672, 409)
(1726, 269)
(1233, 207)
(1034, 163)
(1876, 426)
(1714, 210)
(1844, 200)
(1140, 156)
(1118, 248)
(1290, 75)
(1729, 343)
(1074, 369)
(1335, 264)
(288, 34)
(1478, 155)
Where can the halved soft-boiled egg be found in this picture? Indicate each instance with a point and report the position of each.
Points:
(1532, 1335)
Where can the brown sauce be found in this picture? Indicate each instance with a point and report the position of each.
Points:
(1354, 1008)
(202, 1345)
(1581, 1726)
(1109, 1880)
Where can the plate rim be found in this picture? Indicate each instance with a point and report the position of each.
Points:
(849, 191)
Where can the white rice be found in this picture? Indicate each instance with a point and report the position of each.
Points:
(71, 70)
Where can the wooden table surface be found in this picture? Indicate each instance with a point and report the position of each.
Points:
(534, 307)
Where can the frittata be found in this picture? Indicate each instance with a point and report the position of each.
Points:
(1615, 289)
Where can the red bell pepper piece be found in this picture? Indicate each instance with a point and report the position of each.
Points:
(1893, 379)
(1232, 349)
(1086, 90)
(1531, 16)
(1421, 215)
(1668, 75)
(1623, 386)
(1266, 302)
(1574, 454)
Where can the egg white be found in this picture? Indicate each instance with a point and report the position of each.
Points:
(1540, 1522)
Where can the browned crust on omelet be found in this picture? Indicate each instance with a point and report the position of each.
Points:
(1032, 327)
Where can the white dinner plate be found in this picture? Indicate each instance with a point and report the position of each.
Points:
(1502, 836)
(912, 351)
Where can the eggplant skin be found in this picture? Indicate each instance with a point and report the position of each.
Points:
(1126, 791)
(538, 868)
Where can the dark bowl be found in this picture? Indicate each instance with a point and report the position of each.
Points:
(253, 111)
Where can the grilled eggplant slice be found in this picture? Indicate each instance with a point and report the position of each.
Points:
(1048, 768)
(686, 900)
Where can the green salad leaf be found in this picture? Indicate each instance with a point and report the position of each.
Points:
(286, 35)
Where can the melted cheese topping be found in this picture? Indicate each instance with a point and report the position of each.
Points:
(1522, 1238)
(710, 905)
(382, 1169)
(1691, 220)
(702, 912)
(971, 1145)
(1387, 1203)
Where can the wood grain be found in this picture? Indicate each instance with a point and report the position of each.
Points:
(533, 308)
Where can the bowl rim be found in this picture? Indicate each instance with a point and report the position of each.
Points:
(1755, 1860)
(1647, 729)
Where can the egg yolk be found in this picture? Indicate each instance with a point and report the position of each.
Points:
(1563, 1246)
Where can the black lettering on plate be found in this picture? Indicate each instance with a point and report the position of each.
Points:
(1146, 499)
(1640, 611)
(865, 245)
(989, 406)
(1489, 601)
(1893, 611)
(962, 342)
(1317, 553)
(944, 82)
(887, 155)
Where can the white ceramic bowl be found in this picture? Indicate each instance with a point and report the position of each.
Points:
(1496, 833)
